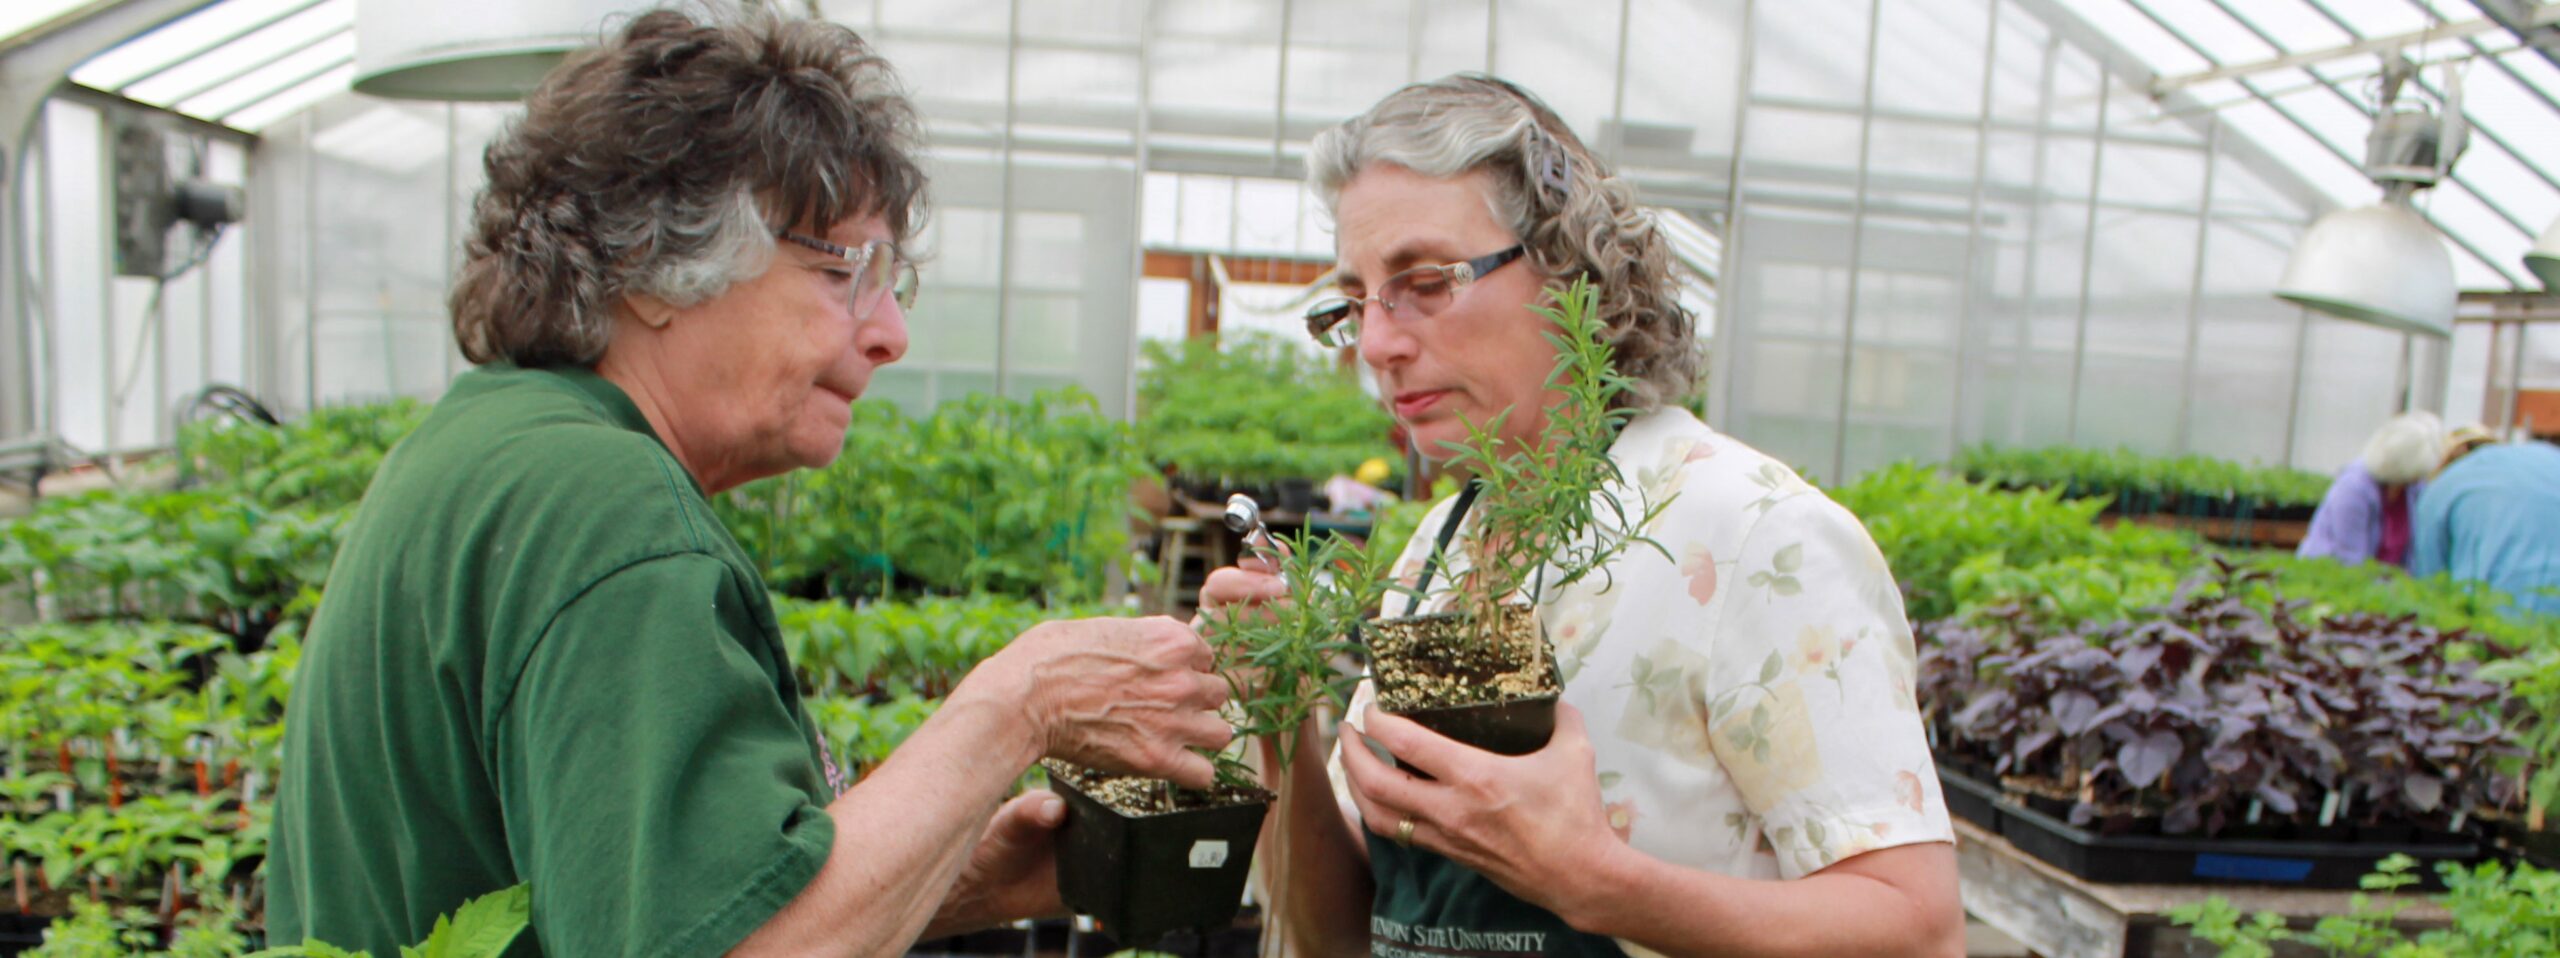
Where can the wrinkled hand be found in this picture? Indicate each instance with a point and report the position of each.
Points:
(1013, 872)
(1522, 821)
(1123, 695)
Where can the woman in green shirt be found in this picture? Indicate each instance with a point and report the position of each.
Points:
(542, 660)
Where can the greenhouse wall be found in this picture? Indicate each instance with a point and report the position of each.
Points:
(1918, 224)
(1989, 235)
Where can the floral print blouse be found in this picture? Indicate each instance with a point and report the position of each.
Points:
(1750, 699)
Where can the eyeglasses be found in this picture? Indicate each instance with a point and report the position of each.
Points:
(1415, 293)
(877, 269)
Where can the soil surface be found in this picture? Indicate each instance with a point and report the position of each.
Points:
(1139, 797)
(1431, 661)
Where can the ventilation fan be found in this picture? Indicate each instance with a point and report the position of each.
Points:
(152, 205)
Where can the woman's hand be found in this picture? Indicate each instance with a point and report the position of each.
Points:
(1251, 583)
(1012, 873)
(1122, 695)
(1528, 822)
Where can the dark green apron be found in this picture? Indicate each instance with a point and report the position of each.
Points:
(1428, 906)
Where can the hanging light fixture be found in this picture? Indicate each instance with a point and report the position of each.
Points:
(2384, 264)
(470, 49)
(2544, 260)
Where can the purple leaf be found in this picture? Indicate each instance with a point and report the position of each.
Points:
(2137, 661)
(2146, 760)
(2425, 792)
(2075, 711)
(2278, 800)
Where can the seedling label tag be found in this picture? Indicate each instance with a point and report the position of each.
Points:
(1208, 853)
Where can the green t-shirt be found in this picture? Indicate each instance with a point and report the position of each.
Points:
(541, 659)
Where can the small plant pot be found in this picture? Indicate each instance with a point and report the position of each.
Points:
(1296, 495)
(1513, 727)
(1518, 724)
(1144, 876)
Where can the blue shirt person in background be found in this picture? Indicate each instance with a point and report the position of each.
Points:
(2494, 516)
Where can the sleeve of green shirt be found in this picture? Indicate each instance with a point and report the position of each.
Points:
(659, 793)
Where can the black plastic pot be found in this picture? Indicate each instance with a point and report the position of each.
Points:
(1296, 495)
(1509, 727)
(1143, 877)
(20, 933)
(1515, 727)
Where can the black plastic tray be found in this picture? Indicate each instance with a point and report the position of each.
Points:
(1970, 799)
(2194, 860)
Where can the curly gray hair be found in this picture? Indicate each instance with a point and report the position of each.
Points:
(1574, 216)
(663, 162)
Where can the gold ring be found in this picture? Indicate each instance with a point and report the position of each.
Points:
(1404, 833)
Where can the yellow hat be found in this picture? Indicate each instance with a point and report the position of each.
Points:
(2465, 436)
(1374, 472)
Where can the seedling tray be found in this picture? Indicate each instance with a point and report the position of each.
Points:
(2198, 860)
(1970, 799)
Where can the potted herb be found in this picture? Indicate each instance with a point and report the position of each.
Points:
(1145, 857)
(1545, 516)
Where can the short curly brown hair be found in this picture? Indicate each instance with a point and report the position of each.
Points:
(1574, 216)
(663, 161)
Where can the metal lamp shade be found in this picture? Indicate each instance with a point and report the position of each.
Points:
(470, 49)
(2544, 260)
(2380, 264)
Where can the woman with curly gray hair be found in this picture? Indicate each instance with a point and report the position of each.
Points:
(542, 660)
(1738, 765)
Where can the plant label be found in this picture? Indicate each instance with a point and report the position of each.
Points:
(1208, 853)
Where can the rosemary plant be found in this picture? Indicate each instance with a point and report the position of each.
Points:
(1544, 515)
(1279, 658)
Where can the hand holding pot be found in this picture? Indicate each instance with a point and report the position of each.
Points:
(1121, 695)
(1013, 871)
(1522, 821)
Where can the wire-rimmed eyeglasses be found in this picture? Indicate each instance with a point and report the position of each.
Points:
(1417, 292)
(877, 269)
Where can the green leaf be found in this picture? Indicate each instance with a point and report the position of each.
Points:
(1772, 667)
(482, 928)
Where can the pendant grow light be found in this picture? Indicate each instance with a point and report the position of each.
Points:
(2384, 264)
(470, 49)
(2544, 260)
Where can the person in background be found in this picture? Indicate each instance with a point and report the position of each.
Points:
(2493, 516)
(2365, 515)
(2462, 440)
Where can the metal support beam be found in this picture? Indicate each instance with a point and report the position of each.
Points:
(1972, 301)
(2088, 263)
(2531, 22)
(1732, 288)
(2024, 345)
(1857, 241)
(1004, 201)
(2195, 292)
(2372, 45)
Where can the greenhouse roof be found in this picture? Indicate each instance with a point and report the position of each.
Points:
(2296, 77)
